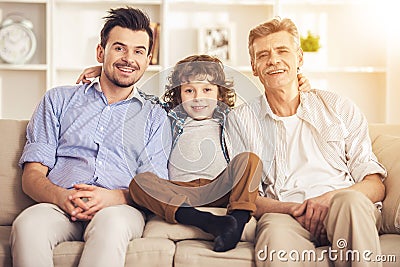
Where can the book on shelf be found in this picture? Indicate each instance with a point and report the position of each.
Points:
(155, 51)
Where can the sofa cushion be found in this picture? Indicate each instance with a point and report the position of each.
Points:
(157, 227)
(5, 252)
(386, 148)
(199, 253)
(12, 200)
(140, 252)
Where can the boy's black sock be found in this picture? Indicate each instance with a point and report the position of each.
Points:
(229, 240)
(224, 228)
(227, 229)
(206, 221)
(242, 217)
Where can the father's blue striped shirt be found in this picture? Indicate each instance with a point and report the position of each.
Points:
(83, 139)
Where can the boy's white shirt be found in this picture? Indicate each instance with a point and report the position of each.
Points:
(198, 152)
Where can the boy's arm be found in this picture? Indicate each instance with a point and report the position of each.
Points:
(88, 73)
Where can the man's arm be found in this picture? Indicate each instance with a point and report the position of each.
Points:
(36, 185)
(317, 208)
(372, 187)
(312, 212)
(269, 205)
(155, 157)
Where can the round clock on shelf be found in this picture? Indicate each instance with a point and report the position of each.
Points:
(17, 40)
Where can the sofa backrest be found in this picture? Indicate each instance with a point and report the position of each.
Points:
(386, 146)
(377, 129)
(12, 199)
(384, 137)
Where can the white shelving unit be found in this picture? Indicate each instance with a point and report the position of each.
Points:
(347, 30)
(68, 32)
(21, 86)
(76, 33)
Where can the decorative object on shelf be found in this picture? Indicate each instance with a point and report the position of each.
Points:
(310, 43)
(17, 40)
(155, 51)
(311, 46)
(217, 41)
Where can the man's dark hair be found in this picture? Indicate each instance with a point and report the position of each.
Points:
(127, 17)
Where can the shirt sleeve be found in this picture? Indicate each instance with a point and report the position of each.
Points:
(361, 159)
(234, 135)
(155, 157)
(42, 133)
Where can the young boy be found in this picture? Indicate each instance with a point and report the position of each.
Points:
(197, 99)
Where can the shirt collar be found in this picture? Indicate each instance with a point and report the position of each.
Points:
(265, 108)
(134, 94)
(220, 112)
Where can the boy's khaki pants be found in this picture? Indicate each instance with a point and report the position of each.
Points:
(235, 188)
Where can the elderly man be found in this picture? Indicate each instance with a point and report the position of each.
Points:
(321, 182)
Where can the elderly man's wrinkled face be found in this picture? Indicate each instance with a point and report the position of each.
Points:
(276, 60)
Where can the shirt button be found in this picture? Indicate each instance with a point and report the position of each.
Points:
(101, 128)
(100, 163)
(108, 108)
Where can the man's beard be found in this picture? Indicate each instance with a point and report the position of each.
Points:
(119, 82)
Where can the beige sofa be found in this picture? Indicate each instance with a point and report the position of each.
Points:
(176, 245)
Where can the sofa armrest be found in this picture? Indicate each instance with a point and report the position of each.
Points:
(386, 148)
(12, 141)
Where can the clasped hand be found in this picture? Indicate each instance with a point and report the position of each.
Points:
(85, 201)
(311, 215)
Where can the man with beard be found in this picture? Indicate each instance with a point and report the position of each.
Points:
(84, 145)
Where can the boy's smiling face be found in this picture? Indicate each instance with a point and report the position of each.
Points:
(199, 99)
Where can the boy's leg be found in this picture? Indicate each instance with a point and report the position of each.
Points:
(162, 197)
(37, 230)
(245, 170)
(239, 181)
(243, 176)
(173, 201)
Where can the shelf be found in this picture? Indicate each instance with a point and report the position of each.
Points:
(346, 69)
(137, 2)
(25, 1)
(24, 67)
(67, 32)
(151, 68)
(326, 2)
(327, 69)
(226, 2)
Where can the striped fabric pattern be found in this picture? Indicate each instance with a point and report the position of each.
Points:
(339, 127)
(83, 139)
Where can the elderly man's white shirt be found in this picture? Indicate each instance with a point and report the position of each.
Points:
(340, 133)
